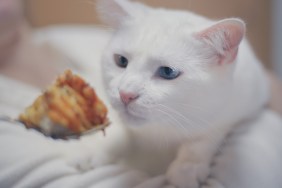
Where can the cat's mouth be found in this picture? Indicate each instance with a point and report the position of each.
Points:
(133, 113)
(130, 110)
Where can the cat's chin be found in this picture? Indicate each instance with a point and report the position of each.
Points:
(132, 121)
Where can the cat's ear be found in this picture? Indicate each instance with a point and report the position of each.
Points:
(224, 37)
(114, 12)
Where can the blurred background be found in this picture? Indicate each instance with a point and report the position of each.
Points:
(258, 15)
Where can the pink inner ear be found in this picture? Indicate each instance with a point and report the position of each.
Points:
(225, 36)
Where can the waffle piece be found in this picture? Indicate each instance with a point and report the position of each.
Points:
(68, 107)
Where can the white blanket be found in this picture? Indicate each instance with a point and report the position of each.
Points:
(250, 158)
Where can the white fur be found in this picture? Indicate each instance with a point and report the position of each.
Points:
(176, 126)
(251, 157)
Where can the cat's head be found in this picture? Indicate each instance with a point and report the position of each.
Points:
(166, 65)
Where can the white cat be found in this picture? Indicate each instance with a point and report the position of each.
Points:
(180, 82)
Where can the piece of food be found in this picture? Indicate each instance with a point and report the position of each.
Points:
(69, 106)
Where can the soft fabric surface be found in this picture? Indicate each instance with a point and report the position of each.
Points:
(250, 158)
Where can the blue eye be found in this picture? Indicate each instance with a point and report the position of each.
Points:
(168, 73)
(121, 61)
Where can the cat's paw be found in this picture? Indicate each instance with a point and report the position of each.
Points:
(187, 175)
(85, 162)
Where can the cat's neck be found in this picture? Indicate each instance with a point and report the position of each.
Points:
(169, 137)
(160, 144)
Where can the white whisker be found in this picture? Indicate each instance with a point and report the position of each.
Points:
(172, 118)
(189, 122)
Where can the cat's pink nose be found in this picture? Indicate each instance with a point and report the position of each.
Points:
(127, 97)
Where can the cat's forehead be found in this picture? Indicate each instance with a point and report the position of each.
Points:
(169, 21)
(159, 29)
(151, 45)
